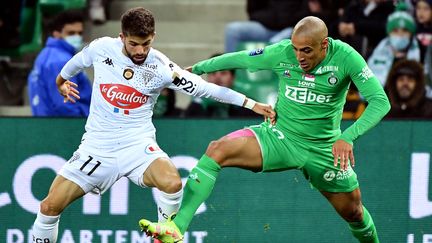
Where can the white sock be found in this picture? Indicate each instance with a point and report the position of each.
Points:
(168, 204)
(45, 228)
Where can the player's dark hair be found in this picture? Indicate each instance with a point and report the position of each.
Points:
(137, 22)
(64, 18)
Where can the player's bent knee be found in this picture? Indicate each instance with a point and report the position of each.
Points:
(172, 185)
(213, 146)
(217, 151)
(50, 208)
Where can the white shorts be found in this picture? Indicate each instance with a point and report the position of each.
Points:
(97, 171)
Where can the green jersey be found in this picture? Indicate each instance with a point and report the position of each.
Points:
(310, 105)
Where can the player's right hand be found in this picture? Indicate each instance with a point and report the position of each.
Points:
(343, 153)
(265, 110)
(68, 90)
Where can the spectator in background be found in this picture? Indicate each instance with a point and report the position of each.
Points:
(66, 39)
(362, 24)
(10, 13)
(423, 16)
(203, 107)
(327, 10)
(269, 21)
(399, 44)
(406, 91)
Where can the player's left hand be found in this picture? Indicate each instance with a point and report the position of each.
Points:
(343, 152)
(265, 110)
(68, 91)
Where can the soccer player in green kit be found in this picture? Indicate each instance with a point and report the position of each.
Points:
(314, 73)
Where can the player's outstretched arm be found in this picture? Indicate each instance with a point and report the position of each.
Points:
(192, 84)
(67, 89)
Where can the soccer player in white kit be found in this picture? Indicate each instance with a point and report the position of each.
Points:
(120, 137)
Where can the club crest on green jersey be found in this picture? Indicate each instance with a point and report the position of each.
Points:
(332, 80)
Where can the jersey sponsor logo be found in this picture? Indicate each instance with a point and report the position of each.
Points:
(151, 66)
(185, 84)
(41, 240)
(108, 61)
(289, 65)
(304, 95)
(76, 155)
(122, 96)
(194, 176)
(287, 73)
(324, 69)
(366, 73)
(340, 175)
(256, 52)
(329, 175)
(308, 81)
(306, 84)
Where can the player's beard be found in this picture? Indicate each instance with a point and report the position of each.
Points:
(132, 57)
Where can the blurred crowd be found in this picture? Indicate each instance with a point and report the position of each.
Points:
(395, 37)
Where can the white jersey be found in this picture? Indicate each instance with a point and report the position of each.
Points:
(124, 93)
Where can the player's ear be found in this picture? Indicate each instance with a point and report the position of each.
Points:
(324, 43)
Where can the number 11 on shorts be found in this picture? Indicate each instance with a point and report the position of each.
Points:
(94, 167)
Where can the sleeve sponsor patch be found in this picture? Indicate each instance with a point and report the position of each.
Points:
(366, 73)
(256, 52)
(183, 83)
(176, 81)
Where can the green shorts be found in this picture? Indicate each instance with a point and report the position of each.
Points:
(284, 152)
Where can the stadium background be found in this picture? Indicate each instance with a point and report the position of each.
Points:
(393, 164)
